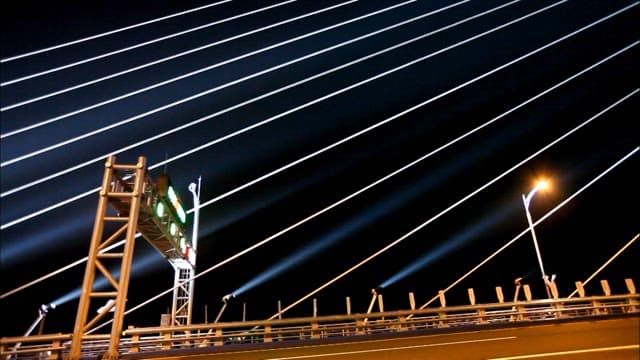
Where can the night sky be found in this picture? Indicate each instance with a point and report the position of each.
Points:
(364, 122)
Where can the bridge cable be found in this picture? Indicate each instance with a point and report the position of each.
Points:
(37, 213)
(111, 32)
(528, 230)
(443, 212)
(119, 51)
(431, 153)
(239, 105)
(388, 246)
(606, 263)
(181, 77)
(156, 62)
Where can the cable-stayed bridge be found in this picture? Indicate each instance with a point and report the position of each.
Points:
(373, 140)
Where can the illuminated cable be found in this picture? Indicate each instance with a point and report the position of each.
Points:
(239, 105)
(24, 218)
(459, 138)
(160, 61)
(285, 167)
(606, 263)
(93, 37)
(187, 75)
(527, 231)
(119, 51)
(446, 210)
(442, 147)
(255, 246)
(56, 272)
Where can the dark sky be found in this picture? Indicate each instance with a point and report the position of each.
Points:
(320, 100)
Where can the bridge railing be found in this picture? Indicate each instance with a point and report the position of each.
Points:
(150, 339)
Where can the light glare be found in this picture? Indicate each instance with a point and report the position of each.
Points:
(542, 184)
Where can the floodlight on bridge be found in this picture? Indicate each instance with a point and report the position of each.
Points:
(43, 310)
(225, 302)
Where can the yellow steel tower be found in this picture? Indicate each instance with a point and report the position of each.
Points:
(137, 205)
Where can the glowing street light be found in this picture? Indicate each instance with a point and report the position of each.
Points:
(541, 185)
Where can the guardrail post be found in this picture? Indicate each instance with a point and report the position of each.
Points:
(279, 310)
(442, 314)
(522, 313)
(631, 287)
(218, 340)
(499, 294)
(443, 319)
(166, 345)
(267, 334)
(360, 326)
(580, 288)
(315, 307)
(605, 287)
(597, 306)
(403, 323)
(472, 296)
(482, 318)
(135, 341)
(443, 300)
(56, 354)
(632, 290)
(347, 332)
(554, 290)
(527, 292)
(315, 334)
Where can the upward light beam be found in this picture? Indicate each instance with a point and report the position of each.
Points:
(253, 247)
(449, 208)
(526, 231)
(448, 245)
(435, 151)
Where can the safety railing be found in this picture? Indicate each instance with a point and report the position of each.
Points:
(157, 339)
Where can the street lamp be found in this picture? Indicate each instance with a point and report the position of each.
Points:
(541, 185)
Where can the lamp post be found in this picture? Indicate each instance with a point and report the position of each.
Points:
(541, 185)
(195, 191)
